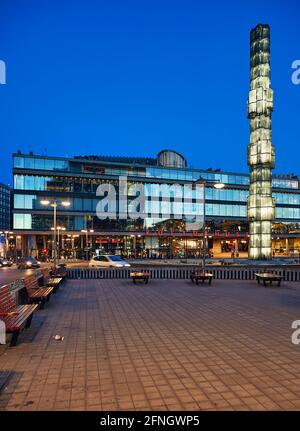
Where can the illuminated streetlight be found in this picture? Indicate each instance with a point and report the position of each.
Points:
(86, 231)
(54, 204)
(217, 185)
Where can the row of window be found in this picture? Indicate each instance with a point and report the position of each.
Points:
(40, 163)
(78, 185)
(192, 175)
(90, 205)
(156, 191)
(287, 213)
(155, 207)
(156, 172)
(33, 221)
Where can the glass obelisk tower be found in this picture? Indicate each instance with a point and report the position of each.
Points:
(261, 159)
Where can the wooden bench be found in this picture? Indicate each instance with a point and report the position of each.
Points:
(140, 276)
(197, 276)
(37, 294)
(268, 277)
(60, 271)
(15, 317)
(49, 280)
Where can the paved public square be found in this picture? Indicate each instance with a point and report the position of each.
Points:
(167, 345)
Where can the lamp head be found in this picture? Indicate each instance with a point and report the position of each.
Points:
(219, 185)
(45, 202)
(66, 203)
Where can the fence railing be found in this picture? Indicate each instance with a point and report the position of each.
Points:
(289, 274)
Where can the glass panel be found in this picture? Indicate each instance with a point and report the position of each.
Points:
(22, 221)
(19, 201)
(29, 163)
(87, 204)
(19, 162)
(29, 183)
(39, 163)
(77, 204)
(19, 182)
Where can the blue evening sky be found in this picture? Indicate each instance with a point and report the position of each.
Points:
(125, 77)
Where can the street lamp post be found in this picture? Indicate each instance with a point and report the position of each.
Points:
(54, 204)
(73, 245)
(86, 231)
(217, 185)
(61, 228)
(58, 229)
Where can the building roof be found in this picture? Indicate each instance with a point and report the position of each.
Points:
(122, 159)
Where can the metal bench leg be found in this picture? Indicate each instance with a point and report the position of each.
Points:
(14, 338)
(42, 304)
(28, 321)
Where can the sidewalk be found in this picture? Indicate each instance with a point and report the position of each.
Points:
(168, 345)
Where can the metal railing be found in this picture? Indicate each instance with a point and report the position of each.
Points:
(289, 274)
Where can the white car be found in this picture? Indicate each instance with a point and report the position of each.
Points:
(108, 261)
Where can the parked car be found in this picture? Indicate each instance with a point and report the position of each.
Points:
(5, 262)
(108, 261)
(28, 262)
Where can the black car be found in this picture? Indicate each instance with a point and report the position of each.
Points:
(28, 262)
(5, 262)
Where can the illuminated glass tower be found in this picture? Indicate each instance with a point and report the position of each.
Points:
(261, 158)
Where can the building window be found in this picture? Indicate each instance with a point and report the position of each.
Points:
(22, 221)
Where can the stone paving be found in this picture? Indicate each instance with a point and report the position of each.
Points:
(165, 346)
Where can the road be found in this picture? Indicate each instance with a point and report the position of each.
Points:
(8, 275)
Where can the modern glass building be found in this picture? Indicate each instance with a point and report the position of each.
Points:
(5, 216)
(5, 212)
(163, 232)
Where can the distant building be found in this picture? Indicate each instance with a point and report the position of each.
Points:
(5, 192)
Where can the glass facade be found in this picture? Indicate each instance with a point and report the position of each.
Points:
(4, 207)
(170, 203)
(80, 190)
(40, 163)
